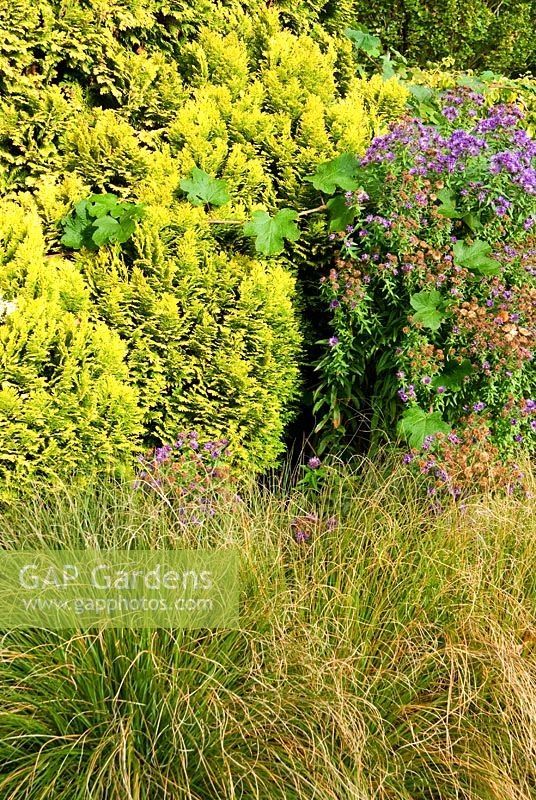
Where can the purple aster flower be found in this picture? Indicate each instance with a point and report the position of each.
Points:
(427, 380)
(440, 389)
(480, 406)
(333, 340)
(314, 462)
(332, 523)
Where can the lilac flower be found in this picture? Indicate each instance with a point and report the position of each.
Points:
(314, 462)
(480, 406)
(427, 380)
(333, 340)
(408, 458)
(334, 304)
(440, 389)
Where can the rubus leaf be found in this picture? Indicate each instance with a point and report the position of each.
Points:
(98, 220)
(98, 205)
(107, 229)
(453, 375)
(127, 226)
(340, 214)
(340, 173)
(270, 232)
(472, 221)
(365, 41)
(448, 204)
(416, 425)
(74, 228)
(426, 308)
(203, 189)
(421, 93)
(475, 257)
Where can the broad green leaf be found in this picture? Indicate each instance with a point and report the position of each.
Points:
(426, 308)
(129, 211)
(339, 172)
(448, 204)
(420, 93)
(416, 425)
(73, 235)
(127, 226)
(101, 204)
(453, 375)
(202, 189)
(340, 215)
(270, 232)
(475, 257)
(107, 229)
(472, 221)
(80, 209)
(364, 41)
(488, 75)
(388, 69)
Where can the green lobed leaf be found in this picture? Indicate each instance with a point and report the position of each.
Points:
(107, 229)
(420, 93)
(203, 189)
(270, 232)
(416, 425)
(73, 235)
(448, 204)
(98, 205)
(453, 375)
(340, 173)
(340, 215)
(476, 257)
(365, 41)
(427, 311)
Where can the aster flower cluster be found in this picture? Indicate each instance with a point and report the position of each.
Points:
(190, 474)
(435, 284)
(466, 461)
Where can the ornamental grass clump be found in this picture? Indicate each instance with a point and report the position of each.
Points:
(434, 292)
(390, 657)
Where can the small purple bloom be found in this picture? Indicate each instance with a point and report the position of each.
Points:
(314, 462)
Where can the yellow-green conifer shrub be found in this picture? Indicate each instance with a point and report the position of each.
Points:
(104, 150)
(66, 406)
(283, 118)
(127, 99)
(213, 338)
